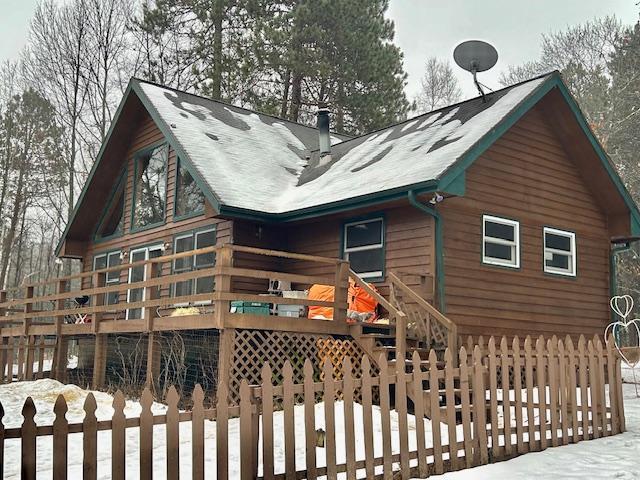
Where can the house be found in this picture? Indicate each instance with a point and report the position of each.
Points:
(496, 218)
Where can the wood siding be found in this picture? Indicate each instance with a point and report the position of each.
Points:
(526, 176)
(408, 242)
(146, 134)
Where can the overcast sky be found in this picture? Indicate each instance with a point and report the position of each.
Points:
(428, 28)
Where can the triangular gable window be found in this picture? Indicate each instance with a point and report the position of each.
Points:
(112, 222)
(189, 196)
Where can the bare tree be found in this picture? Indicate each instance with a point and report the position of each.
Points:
(56, 65)
(439, 86)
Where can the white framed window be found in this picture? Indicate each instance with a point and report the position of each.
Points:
(194, 241)
(559, 252)
(500, 241)
(108, 260)
(363, 247)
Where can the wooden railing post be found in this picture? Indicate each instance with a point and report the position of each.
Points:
(341, 291)
(60, 361)
(224, 260)
(100, 351)
(401, 336)
(151, 270)
(26, 325)
(5, 340)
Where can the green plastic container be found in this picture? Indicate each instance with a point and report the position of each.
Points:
(257, 308)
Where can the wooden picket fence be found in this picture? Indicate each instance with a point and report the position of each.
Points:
(484, 408)
(31, 356)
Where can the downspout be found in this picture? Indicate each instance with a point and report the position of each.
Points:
(613, 269)
(413, 200)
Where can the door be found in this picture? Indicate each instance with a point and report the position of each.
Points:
(138, 274)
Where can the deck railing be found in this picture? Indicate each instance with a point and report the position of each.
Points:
(27, 314)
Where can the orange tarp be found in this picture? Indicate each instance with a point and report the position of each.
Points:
(358, 300)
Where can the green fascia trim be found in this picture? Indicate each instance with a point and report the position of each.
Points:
(554, 81)
(455, 186)
(328, 209)
(136, 157)
(413, 200)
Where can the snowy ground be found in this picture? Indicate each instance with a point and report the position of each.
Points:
(613, 457)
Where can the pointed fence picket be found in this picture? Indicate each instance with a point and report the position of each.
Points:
(510, 400)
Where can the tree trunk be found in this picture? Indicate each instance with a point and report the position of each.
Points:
(296, 96)
(340, 109)
(216, 85)
(7, 244)
(285, 94)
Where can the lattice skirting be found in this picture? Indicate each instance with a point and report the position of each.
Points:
(253, 348)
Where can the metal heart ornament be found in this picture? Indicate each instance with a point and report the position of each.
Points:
(622, 305)
(626, 339)
(625, 333)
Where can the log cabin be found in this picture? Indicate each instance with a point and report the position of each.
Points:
(496, 216)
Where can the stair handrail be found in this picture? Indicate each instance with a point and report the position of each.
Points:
(398, 315)
(452, 328)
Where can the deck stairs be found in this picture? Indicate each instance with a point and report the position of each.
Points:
(417, 327)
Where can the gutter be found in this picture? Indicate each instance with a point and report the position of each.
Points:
(432, 212)
(613, 267)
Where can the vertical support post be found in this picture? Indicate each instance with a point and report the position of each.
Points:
(341, 291)
(224, 260)
(5, 340)
(60, 359)
(100, 351)
(225, 360)
(401, 336)
(151, 270)
(26, 325)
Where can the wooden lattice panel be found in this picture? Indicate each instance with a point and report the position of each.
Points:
(254, 348)
(418, 320)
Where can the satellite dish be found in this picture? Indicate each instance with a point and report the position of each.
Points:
(475, 56)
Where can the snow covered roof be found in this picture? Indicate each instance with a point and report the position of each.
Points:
(263, 164)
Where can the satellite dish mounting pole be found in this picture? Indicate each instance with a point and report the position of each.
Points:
(474, 71)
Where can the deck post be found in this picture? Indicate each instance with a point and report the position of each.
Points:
(5, 340)
(153, 354)
(29, 340)
(341, 291)
(100, 350)
(59, 370)
(225, 359)
(224, 260)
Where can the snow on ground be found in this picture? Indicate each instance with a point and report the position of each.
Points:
(610, 457)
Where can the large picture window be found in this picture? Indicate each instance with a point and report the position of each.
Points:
(500, 241)
(150, 187)
(559, 252)
(364, 247)
(108, 260)
(189, 197)
(194, 241)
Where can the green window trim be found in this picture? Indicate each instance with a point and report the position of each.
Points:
(176, 217)
(120, 183)
(344, 251)
(136, 158)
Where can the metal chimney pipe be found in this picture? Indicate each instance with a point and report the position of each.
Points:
(323, 130)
